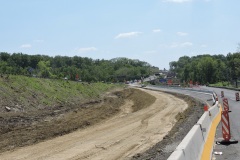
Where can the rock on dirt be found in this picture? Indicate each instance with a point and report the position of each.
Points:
(8, 109)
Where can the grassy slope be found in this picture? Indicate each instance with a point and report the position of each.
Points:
(225, 85)
(42, 109)
(26, 93)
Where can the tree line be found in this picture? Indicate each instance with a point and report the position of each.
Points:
(74, 68)
(207, 68)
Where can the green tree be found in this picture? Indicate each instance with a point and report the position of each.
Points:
(44, 69)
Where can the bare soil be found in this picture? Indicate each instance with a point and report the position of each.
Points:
(122, 124)
(18, 129)
(185, 121)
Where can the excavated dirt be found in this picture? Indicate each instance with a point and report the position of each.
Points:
(122, 125)
(18, 129)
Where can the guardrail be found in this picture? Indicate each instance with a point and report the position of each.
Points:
(192, 145)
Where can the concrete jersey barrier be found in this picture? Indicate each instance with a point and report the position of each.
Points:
(192, 145)
(214, 111)
(177, 154)
(205, 123)
(205, 120)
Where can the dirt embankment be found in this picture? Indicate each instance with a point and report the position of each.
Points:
(121, 124)
(18, 129)
(119, 137)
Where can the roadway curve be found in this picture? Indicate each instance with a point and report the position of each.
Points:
(120, 137)
(200, 93)
(229, 152)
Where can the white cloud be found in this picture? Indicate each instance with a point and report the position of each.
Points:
(39, 41)
(184, 44)
(178, 1)
(157, 30)
(127, 35)
(182, 33)
(88, 49)
(26, 46)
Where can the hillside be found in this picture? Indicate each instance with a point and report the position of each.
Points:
(22, 93)
(34, 109)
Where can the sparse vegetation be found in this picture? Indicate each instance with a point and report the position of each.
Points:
(36, 109)
(30, 93)
(221, 84)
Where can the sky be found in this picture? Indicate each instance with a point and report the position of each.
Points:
(154, 31)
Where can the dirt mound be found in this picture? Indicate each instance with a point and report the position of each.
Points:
(19, 129)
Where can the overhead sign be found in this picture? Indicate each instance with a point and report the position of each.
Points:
(162, 80)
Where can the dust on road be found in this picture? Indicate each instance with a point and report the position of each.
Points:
(120, 137)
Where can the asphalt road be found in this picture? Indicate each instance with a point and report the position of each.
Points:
(201, 93)
(232, 151)
(229, 152)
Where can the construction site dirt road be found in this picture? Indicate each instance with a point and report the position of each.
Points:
(120, 137)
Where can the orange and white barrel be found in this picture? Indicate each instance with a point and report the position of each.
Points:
(225, 126)
(225, 104)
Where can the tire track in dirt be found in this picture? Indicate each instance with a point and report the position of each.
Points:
(120, 137)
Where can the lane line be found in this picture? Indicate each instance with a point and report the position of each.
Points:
(208, 146)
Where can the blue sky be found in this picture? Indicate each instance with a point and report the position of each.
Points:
(155, 31)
